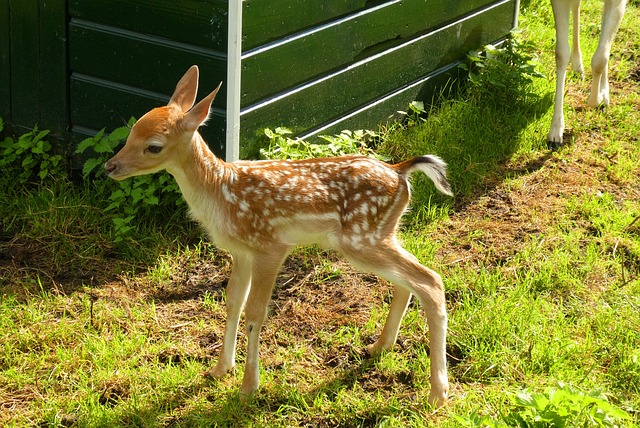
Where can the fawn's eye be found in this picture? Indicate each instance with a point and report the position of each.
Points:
(154, 149)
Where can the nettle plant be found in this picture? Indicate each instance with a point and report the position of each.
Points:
(506, 71)
(557, 407)
(282, 146)
(128, 199)
(31, 156)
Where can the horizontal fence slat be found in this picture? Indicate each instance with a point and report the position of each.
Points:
(388, 107)
(137, 60)
(96, 104)
(199, 22)
(267, 20)
(342, 42)
(328, 98)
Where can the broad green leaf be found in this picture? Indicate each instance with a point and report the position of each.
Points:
(120, 133)
(89, 142)
(90, 165)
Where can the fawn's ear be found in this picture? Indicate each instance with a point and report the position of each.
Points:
(200, 112)
(185, 94)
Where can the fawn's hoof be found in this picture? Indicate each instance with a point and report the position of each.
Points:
(249, 388)
(373, 351)
(218, 372)
(554, 145)
(438, 398)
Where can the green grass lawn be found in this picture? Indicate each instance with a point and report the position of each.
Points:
(539, 251)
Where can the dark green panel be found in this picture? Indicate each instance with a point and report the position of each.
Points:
(386, 108)
(5, 63)
(136, 60)
(346, 90)
(269, 70)
(25, 62)
(266, 20)
(97, 104)
(203, 23)
(53, 66)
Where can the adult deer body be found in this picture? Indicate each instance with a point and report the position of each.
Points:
(612, 14)
(259, 210)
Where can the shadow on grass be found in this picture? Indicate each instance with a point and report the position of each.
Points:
(275, 407)
(476, 134)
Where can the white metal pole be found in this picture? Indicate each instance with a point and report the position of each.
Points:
(234, 53)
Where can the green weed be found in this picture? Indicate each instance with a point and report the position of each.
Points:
(30, 158)
(506, 73)
(558, 407)
(281, 146)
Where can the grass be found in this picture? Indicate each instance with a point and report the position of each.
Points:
(539, 250)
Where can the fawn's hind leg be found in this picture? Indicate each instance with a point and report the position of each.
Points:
(387, 339)
(393, 263)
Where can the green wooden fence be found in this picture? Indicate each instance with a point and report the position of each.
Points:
(126, 57)
(33, 64)
(354, 70)
(77, 66)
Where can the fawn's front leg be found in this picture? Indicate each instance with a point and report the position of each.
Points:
(237, 291)
(264, 272)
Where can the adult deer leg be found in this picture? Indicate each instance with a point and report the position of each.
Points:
(612, 14)
(561, 9)
(576, 53)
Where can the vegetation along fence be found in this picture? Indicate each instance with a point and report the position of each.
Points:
(76, 66)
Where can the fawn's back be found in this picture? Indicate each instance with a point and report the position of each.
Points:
(351, 200)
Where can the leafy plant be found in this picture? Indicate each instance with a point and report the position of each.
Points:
(564, 406)
(506, 71)
(282, 146)
(103, 147)
(30, 157)
(136, 196)
(415, 115)
(558, 407)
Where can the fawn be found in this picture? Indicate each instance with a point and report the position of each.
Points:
(612, 14)
(259, 210)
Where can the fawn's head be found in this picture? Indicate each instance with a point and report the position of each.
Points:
(159, 138)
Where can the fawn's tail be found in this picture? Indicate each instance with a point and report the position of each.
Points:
(434, 167)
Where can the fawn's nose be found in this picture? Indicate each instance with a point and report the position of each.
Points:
(110, 166)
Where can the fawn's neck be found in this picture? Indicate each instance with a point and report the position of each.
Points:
(199, 173)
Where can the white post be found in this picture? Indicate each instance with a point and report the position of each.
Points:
(516, 15)
(234, 53)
